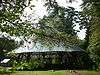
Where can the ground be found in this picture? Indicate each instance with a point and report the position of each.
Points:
(60, 72)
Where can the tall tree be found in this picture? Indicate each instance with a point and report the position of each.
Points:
(10, 23)
(91, 8)
(60, 23)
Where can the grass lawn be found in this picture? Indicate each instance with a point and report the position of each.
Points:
(42, 73)
(61, 72)
(89, 72)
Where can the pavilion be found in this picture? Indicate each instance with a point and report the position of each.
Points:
(58, 58)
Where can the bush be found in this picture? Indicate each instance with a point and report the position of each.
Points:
(31, 65)
(4, 70)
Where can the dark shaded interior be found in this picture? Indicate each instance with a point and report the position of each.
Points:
(58, 59)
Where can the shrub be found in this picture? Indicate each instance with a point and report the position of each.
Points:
(5, 70)
(31, 65)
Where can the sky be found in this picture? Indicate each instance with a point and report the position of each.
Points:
(39, 11)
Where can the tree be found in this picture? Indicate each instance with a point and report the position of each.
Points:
(12, 24)
(60, 23)
(7, 45)
(10, 21)
(91, 9)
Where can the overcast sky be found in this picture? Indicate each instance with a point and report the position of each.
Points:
(39, 11)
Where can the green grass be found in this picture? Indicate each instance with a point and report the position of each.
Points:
(42, 73)
(89, 72)
(50, 72)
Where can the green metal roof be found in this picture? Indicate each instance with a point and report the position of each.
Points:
(39, 48)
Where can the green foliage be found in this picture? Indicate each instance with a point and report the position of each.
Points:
(30, 65)
(91, 9)
(7, 45)
(10, 22)
(4, 70)
(94, 43)
(21, 66)
(59, 25)
(60, 20)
